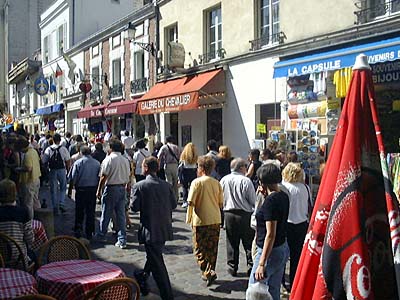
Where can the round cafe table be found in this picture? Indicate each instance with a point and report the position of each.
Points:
(39, 235)
(15, 283)
(67, 280)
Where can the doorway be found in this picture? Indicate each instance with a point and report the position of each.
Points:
(173, 126)
(214, 125)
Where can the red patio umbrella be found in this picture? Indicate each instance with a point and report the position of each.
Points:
(351, 250)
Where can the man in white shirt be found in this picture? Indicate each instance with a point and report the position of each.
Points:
(59, 162)
(127, 140)
(239, 201)
(114, 177)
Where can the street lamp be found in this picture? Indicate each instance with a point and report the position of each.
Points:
(131, 30)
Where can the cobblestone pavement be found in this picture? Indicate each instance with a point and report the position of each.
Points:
(181, 265)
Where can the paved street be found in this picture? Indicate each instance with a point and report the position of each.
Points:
(183, 270)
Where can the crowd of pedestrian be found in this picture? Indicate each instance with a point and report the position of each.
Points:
(246, 197)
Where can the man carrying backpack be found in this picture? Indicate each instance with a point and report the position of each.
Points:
(59, 162)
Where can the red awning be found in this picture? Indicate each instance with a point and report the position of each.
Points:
(120, 108)
(186, 93)
(91, 112)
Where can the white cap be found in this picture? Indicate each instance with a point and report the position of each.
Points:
(361, 62)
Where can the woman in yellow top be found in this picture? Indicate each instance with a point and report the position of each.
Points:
(205, 201)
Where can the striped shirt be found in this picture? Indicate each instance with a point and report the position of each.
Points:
(15, 222)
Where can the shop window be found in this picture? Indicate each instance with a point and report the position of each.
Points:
(214, 125)
(214, 33)
(266, 114)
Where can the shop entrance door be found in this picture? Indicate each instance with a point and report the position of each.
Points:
(214, 125)
(173, 126)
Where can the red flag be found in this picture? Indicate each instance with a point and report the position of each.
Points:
(59, 72)
(350, 251)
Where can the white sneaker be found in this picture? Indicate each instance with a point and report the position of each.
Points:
(119, 244)
(184, 204)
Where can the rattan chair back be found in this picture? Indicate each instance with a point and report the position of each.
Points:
(35, 297)
(61, 248)
(116, 289)
(12, 254)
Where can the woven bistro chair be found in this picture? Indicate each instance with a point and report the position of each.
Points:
(61, 248)
(35, 297)
(11, 252)
(117, 289)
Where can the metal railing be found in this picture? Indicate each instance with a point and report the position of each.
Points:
(276, 38)
(367, 13)
(139, 85)
(207, 57)
(95, 94)
(116, 91)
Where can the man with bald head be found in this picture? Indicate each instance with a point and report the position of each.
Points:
(239, 201)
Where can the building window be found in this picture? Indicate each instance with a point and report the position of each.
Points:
(116, 41)
(46, 49)
(95, 51)
(171, 34)
(268, 21)
(139, 65)
(60, 39)
(380, 8)
(95, 78)
(214, 33)
(116, 71)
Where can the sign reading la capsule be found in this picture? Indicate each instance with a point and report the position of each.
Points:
(41, 86)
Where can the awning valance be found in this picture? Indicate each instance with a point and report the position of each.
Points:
(377, 52)
(120, 108)
(91, 112)
(186, 93)
(47, 110)
(57, 107)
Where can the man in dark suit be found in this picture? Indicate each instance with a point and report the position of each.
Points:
(155, 200)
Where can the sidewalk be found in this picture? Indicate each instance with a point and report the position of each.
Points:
(182, 267)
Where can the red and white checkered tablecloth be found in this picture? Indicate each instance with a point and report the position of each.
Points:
(14, 283)
(39, 234)
(71, 279)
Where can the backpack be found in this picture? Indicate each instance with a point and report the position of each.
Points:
(56, 161)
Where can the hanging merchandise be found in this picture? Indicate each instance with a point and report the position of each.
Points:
(319, 80)
(341, 78)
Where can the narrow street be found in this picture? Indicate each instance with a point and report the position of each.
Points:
(182, 268)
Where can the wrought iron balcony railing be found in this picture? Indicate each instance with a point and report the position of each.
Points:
(139, 85)
(276, 38)
(207, 57)
(367, 13)
(95, 94)
(116, 91)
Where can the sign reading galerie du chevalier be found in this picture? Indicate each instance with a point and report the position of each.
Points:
(41, 86)
(169, 104)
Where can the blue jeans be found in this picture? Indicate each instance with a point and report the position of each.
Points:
(57, 197)
(274, 269)
(113, 199)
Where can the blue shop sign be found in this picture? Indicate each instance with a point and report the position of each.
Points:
(41, 86)
(378, 52)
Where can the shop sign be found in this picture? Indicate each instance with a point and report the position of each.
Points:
(169, 104)
(386, 72)
(110, 111)
(315, 68)
(261, 128)
(95, 113)
(176, 57)
(41, 86)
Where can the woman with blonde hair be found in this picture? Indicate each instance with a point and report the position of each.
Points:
(300, 203)
(187, 169)
(223, 164)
